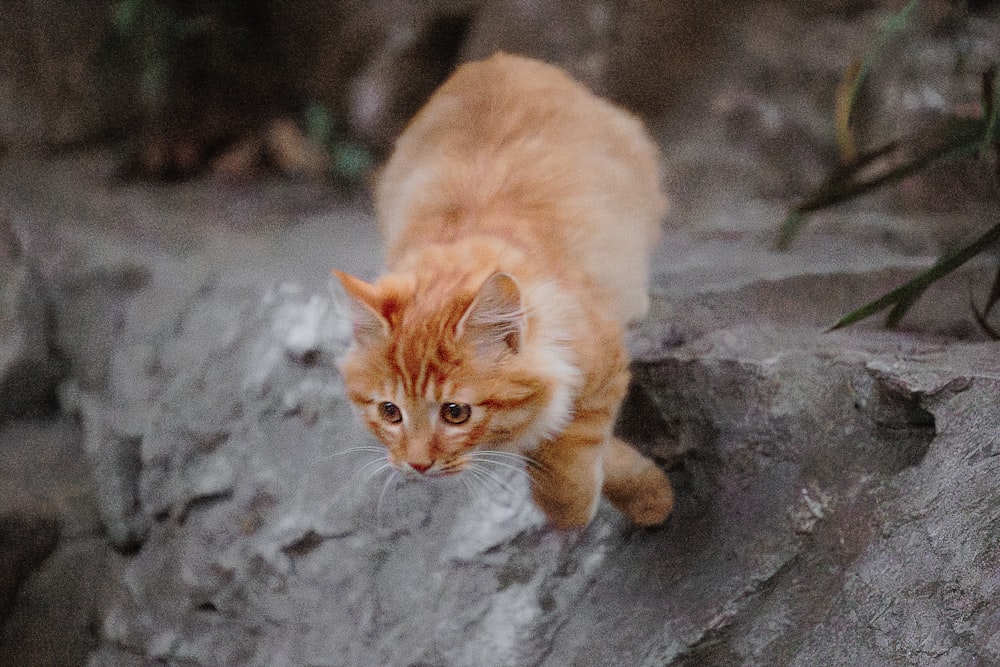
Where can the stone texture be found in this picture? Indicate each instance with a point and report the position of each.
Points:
(29, 370)
(28, 534)
(805, 464)
(50, 537)
(867, 462)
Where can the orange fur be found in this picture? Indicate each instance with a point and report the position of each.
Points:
(518, 210)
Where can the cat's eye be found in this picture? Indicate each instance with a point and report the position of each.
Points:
(390, 412)
(456, 413)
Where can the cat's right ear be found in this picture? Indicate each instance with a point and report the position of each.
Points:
(368, 322)
(495, 319)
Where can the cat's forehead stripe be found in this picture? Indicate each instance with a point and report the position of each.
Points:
(420, 362)
(401, 370)
(396, 390)
(422, 378)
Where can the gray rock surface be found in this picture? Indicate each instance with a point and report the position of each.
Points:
(869, 465)
(28, 534)
(51, 536)
(29, 369)
(809, 467)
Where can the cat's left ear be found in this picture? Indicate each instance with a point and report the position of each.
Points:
(368, 322)
(495, 320)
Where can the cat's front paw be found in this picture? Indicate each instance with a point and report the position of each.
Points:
(565, 513)
(652, 500)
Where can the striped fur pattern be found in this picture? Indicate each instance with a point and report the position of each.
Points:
(518, 210)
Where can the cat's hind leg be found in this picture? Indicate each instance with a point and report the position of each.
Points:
(635, 485)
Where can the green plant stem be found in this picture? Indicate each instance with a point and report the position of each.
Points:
(892, 26)
(991, 301)
(964, 138)
(904, 296)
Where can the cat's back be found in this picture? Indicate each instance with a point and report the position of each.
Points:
(514, 138)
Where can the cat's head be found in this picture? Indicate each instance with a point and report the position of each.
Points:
(442, 368)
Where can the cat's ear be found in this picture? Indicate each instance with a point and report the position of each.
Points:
(368, 322)
(495, 319)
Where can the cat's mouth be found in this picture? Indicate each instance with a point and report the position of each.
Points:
(425, 471)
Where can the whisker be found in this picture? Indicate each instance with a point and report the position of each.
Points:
(495, 471)
(366, 473)
(346, 482)
(344, 489)
(385, 465)
(464, 481)
(528, 461)
(351, 450)
(487, 475)
(539, 473)
(380, 463)
(469, 484)
(385, 487)
(502, 464)
(475, 473)
(316, 465)
(486, 491)
(502, 452)
(530, 472)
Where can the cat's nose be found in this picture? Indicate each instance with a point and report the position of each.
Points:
(420, 467)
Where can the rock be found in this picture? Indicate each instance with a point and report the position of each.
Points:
(29, 530)
(810, 461)
(118, 415)
(115, 460)
(51, 537)
(881, 470)
(29, 370)
(58, 610)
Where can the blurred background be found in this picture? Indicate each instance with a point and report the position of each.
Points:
(320, 88)
(314, 85)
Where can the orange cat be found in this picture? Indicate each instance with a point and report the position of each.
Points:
(518, 211)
